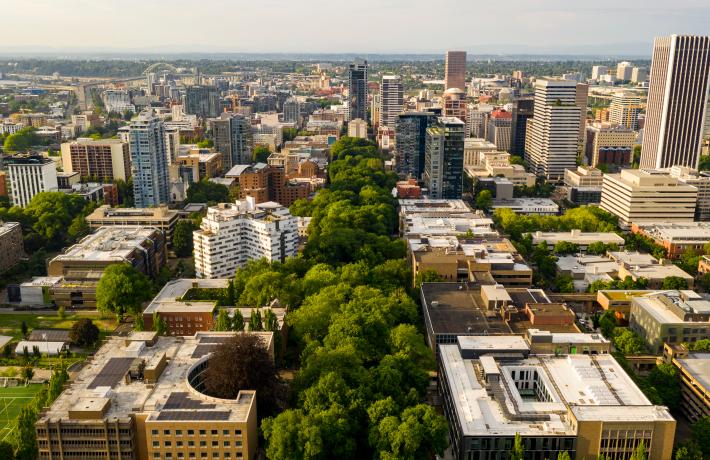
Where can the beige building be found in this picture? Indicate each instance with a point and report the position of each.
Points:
(161, 218)
(357, 128)
(455, 70)
(609, 144)
(643, 196)
(584, 176)
(639, 265)
(624, 110)
(142, 397)
(472, 149)
(497, 164)
(694, 369)
(11, 246)
(102, 159)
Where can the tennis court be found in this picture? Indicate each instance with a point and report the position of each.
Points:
(12, 400)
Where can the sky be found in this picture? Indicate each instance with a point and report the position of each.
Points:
(609, 27)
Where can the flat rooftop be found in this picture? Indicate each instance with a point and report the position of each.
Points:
(653, 304)
(172, 291)
(698, 366)
(577, 237)
(102, 383)
(108, 244)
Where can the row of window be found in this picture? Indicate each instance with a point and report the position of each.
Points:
(156, 432)
(194, 455)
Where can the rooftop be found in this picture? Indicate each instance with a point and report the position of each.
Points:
(108, 244)
(577, 237)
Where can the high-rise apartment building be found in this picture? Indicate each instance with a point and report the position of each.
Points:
(292, 111)
(499, 128)
(232, 135)
(202, 101)
(677, 101)
(410, 148)
(553, 133)
(102, 159)
(28, 176)
(443, 164)
(624, 71)
(233, 233)
(149, 161)
(391, 100)
(522, 112)
(455, 104)
(357, 90)
(581, 96)
(455, 70)
(624, 110)
(11, 247)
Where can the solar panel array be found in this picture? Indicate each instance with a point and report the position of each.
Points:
(182, 400)
(191, 415)
(112, 372)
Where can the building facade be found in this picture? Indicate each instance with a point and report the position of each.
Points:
(11, 246)
(391, 100)
(608, 144)
(624, 110)
(499, 129)
(28, 176)
(357, 91)
(410, 148)
(232, 138)
(523, 109)
(149, 161)
(443, 165)
(455, 70)
(103, 159)
(202, 101)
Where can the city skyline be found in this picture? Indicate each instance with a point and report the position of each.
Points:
(545, 26)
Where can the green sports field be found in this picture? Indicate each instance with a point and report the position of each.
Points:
(12, 400)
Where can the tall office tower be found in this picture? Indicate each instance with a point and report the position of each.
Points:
(357, 90)
(677, 101)
(624, 110)
(375, 107)
(103, 159)
(499, 128)
(292, 110)
(28, 176)
(581, 97)
(443, 162)
(639, 74)
(552, 135)
(455, 104)
(232, 138)
(149, 161)
(522, 112)
(202, 101)
(391, 100)
(624, 70)
(455, 70)
(477, 120)
(410, 148)
(598, 71)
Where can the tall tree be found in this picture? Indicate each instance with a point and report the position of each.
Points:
(222, 323)
(238, 321)
(518, 452)
(182, 238)
(122, 290)
(25, 435)
(84, 333)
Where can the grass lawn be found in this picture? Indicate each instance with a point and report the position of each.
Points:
(12, 400)
(10, 324)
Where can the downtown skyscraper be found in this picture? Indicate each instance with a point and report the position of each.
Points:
(443, 163)
(149, 160)
(391, 100)
(677, 101)
(232, 138)
(357, 91)
(455, 70)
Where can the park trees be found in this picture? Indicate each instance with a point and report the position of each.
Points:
(84, 333)
(122, 290)
(182, 238)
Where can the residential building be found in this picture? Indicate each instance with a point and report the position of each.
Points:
(455, 70)
(443, 165)
(202, 101)
(160, 217)
(624, 110)
(624, 70)
(678, 237)
(408, 189)
(639, 75)
(499, 129)
(357, 91)
(671, 317)
(292, 111)
(197, 164)
(610, 145)
(232, 138)
(646, 196)
(149, 161)
(410, 148)
(103, 159)
(233, 233)
(677, 101)
(11, 245)
(495, 388)
(29, 175)
(477, 119)
(357, 128)
(266, 183)
(391, 100)
(693, 368)
(143, 397)
(523, 110)
(578, 237)
(553, 132)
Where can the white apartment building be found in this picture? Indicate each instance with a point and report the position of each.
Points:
(553, 133)
(357, 128)
(233, 233)
(8, 127)
(391, 100)
(646, 196)
(30, 175)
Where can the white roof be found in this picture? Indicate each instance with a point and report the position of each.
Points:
(51, 348)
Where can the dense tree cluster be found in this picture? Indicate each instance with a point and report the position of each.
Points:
(122, 290)
(586, 218)
(208, 192)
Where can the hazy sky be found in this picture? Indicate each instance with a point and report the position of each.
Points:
(377, 26)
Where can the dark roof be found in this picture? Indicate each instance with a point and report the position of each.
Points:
(53, 335)
(112, 372)
(193, 415)
(182, 400)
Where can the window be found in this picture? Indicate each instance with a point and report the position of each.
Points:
(166, 432)
(154, 432)
(214, 432)
(225, 432)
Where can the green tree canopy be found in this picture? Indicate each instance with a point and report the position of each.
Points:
(122, 290)
(208, 192)
(182, 238)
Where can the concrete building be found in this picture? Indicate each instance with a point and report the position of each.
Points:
(699, 180)
(103, 159)
(474, 147)
(639, 74)
(357, 128)
(694, 370)
(477, 120)
(443, 165)
(196, 165)
(28, 176)
(11, 245)
(638, 265)
(499, 129)
(494, 388)
(598, 71)
(585, 269)
(232, 138)
(496, 164)
(646, 196)
(292, 111)
(118, 101)
(624, 70)
(410, 148)
(202, 101)
(624, 110)
(678, 237)
(539, 206)
(671, 317)
(161, 217)
(677, 101)
(454, 104)
(523, 110)
(581, 239)
(584, 176)
(149, 161)
(357, 91)
(143, 397)
(232, 234)
(553, 132)
(455, 70)
(391, 100)
(610, 145)
(441, 218)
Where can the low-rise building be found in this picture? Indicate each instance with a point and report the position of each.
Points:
(694, 370)
(494, 389)
(473, 147)
(160, 217)
(357, 128)
(441, 217)
(233, 233)
(267, 183)
(672, 317)
(539, 206)
(581, 239)
(143, 397)
(11, 245)
(619, 301)
(497, 164)
(586, 269)
(676, 237)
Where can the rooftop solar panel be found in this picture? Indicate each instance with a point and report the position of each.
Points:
(112, 372)
(192, 415)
